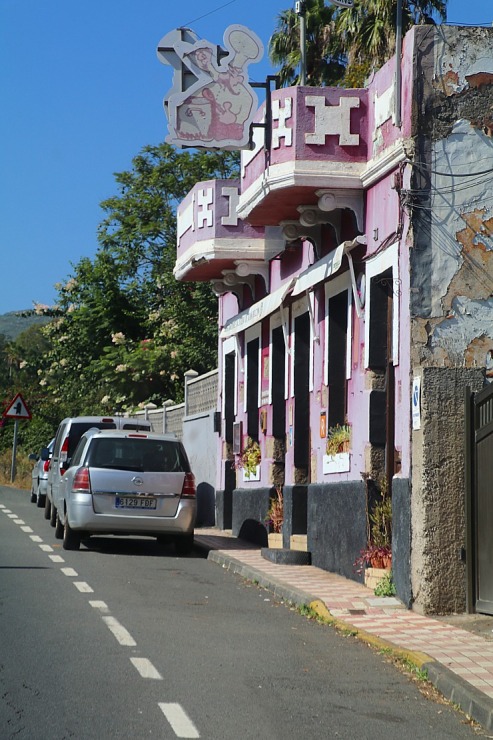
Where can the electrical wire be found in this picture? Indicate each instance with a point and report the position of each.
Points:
(211, 12)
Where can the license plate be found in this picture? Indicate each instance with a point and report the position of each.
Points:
(135, 502)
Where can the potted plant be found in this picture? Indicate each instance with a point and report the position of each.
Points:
(250, 458)
(275, 518)
(338, 439)
(376, 558)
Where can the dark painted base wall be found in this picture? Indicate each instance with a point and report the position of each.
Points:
(337, 526)
(250, 507)
(401, 539)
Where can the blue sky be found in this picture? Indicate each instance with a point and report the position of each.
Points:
(81, 91)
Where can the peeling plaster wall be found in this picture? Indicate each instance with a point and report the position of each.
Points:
(451, 298)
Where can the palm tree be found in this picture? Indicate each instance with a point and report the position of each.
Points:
(368, 30)
(344, 44)
(324, 53)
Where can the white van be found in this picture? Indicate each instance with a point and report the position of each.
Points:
(67, 437)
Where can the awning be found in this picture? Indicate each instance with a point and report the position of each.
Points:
(260, 310)
(324, 268)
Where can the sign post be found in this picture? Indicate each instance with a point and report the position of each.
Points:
(17, 410)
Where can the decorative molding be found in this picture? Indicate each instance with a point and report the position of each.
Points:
(254, 267)
(329, 200)
(332, 120)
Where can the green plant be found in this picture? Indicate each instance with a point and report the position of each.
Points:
(275, 514)
(338, 439)
(381, 519)
(250, 457)
(385, 586)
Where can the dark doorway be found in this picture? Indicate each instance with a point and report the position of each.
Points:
(229, 396)
(338, 313)
(301, 392)
(252, 388)
(278, 375)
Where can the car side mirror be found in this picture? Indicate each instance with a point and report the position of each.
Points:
(45, 453)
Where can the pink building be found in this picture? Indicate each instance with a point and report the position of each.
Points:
(353, 265)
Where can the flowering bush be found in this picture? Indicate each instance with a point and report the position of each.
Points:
(275, 515)
(250, 457)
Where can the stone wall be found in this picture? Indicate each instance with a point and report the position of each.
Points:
(438, 491)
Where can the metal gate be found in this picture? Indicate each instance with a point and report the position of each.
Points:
(479, 511)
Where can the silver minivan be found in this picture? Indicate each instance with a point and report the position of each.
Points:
(69, 432)
(127, 483)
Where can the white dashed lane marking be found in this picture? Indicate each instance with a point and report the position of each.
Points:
(122, 635)
(83, 587)
(101, 605)
(146, 669)
(180, 723)
(69, 572)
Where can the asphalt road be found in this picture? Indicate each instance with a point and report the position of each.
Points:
(123, 640)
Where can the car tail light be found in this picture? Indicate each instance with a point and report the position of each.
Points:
(46, 466)
(63, 455)
(82, 481)
(189, 489)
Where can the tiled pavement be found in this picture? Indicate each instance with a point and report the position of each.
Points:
(459, 662)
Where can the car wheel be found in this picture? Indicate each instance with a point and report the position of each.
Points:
(58, 527)
(41, 500)
(184, 545)
(47, 508)
(53, 514)
(33, 496)
(71, 539)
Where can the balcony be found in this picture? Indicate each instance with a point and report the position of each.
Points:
(213, 243)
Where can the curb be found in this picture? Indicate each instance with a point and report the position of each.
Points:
(455, 689)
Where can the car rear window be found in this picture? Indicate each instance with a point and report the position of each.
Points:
(79, 427)
(141, 455)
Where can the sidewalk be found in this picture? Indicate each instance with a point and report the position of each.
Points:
(458, 662)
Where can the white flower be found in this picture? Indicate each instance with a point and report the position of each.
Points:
(43, 382)
(118, 338)
(120, 368)
(105, 399)
(71, 284)
(22, 364)
(63, 362)
(40, 309)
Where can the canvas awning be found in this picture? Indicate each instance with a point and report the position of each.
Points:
(260, 310)
(325, 267)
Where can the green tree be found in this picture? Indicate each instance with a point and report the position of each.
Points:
(125, 330)
(324, 52)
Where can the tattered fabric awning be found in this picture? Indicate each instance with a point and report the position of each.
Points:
(260, 310)
(325, 267)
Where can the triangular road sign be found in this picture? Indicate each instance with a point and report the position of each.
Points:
(18, 409)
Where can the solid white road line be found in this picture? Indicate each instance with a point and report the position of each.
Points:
(46, 548)
(122, 635)
(181, 725)
(57, 558)
(145, 668)
(69, 572)
(83, 587)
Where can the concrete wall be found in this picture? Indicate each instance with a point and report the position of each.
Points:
(200, 443)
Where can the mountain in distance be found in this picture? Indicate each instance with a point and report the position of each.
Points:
(15, 322)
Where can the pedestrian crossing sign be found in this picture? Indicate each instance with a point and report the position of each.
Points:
(18, 409)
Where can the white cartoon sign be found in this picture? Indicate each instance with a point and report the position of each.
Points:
(211, 103)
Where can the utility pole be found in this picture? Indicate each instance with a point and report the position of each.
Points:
(300, 9)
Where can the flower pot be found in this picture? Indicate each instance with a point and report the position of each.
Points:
(374, 575)
(275, 540)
